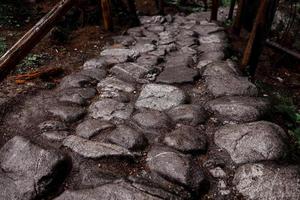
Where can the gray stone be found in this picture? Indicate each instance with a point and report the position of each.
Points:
(188, 114)
(78, 96)
(143, 48)
(67, 113)
(97, 74)
(268, 182)
(120, 53)
(131, 72)
(238, 109)
(92, 127)
(112, 191)
(114, 84)
(152, 120)
(180, 60)
(75, 81)
(210, 39)
(186, 139)
(95, 63)
(166, 37)
(160, 97)
(214, 56)
(252, 142)
(217, 172)
(155, 28)
(95, 150)
(158, 19)
(168, 48)
(29, 171)
(124, 40)
(127, 137)
(213, 47)
(136, 32)
(174, 166)
(230, 86)
(177, 75)
(52, 125)
(202, 64)
(109, 109)
(185, 41)
(55, 135)
(219, 69)
(149, 60)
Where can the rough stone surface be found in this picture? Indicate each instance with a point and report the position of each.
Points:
(92, 127)
(174, 166)
(29, 171)
(160, 97)
(230, 86)
(252, 142)
(188, 114)
(78, 96)
(108, 109)
(75, 81)
(68, 113)
(112, 84)
(186, 139)
(95, 150)
(127, 137)
(120, 53)
(238, 109)
(97, 74)
(219, 69)
(95, 63)
(55, 135)
(177, 75)
(152, 120)
(112, 191)
(52, 125)
(268, 182)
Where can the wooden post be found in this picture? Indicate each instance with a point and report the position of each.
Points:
(107, 15)
(20, 49)
(258, 35)
(237, 26)
(214, 10)
(231, 10)
(133, 13)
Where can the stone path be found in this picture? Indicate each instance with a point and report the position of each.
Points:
(160, 115)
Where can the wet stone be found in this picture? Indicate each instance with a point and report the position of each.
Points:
(252, 142)
(188, 114)
(238, 109)
(177, 75)
(269, 182)
(109, 109)
(52, 125)
(95, 150)
(55, 135)
(92, 127)
(230, 86)
(112, 191)
(75, 81)
(68, 113)
(160, 97)
(131, 72)
(95, 63)
(29, 171)
(120, 53)
(97, 74)
(174, 166)
(127, 137)
(186, 139)
(152, 120)
(78, 96)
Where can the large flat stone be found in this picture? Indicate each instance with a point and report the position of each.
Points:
(120, 53)
(95, 150)
(186, 139)
(252, 142)
(152, 120)
(75, 81)
(177, 75)
(91, 127)
(29, 171)
(78, 96)
(230, 86)
(268, 182)
(219, 69)
(174, 166)
(238, 109)
(67, 113)
(108, 109)
(95, 63)
(112, 84)
(160, 97)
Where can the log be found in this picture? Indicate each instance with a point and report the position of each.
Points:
(107, 15)
(255, 33)
(214, 10)
(283, 49)
(21, 49)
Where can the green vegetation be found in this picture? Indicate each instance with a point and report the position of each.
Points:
(31, 62)
(284, 106)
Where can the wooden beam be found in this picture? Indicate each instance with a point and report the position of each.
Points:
(231, 10)
(107, 15)
(256, 36)
(214, 10)
(21, 49)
